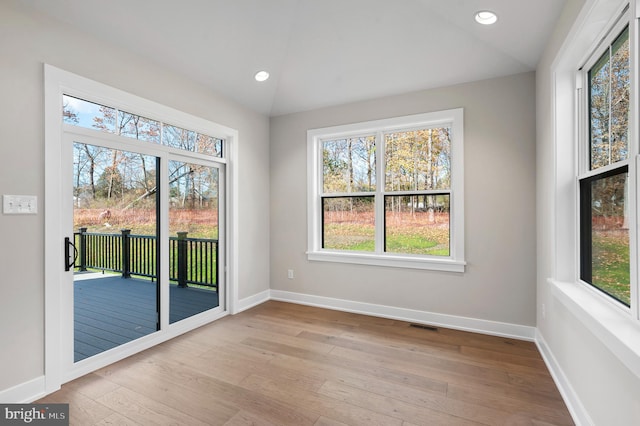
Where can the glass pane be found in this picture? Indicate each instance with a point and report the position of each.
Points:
(209, 145)
(349, 165)
(609, 104)
(417, 224)
(179, 138)
(348, 223)
(115, 276)
(418, 160)
(193, 239)
(134, 126)
(610, 270)
(620, 84)
(88, 114)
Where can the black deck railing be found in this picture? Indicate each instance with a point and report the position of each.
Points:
(191, 260)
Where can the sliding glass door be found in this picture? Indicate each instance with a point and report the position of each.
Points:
(116, 229)
(146, 240)
(194, 229)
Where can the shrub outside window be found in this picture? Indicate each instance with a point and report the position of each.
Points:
(389, 192)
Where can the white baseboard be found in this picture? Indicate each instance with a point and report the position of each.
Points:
(574, 405)
(24, 393)
(493, 328)
(251, 301)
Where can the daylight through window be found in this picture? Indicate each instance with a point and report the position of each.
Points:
(604, 180)
(389, 191)
(90, 115)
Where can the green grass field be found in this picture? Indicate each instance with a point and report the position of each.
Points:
(611, 271)
(421, 240)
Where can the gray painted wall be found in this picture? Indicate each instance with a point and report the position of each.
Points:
(500, 183)
(26, 42)
(499, 283)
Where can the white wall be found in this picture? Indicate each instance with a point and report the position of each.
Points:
(599, 388)
(499, 282)
(26, 42)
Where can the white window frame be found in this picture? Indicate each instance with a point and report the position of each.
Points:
(614, 325)
(453, 118)
(584, 146)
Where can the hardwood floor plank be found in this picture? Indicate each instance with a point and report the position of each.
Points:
(92, 386)
(520, 405)
(440, 362)
(247, 419)
(117, 420)
(151, 379)
(501, 358)
(424, 398)
(82, 409)
(144, 410)
(412, 369)
(391, 406)
(444, 336)
(204, 389)
(326, 421)
(285, 364)
(332, 364)
(332, 367)
(339, 410)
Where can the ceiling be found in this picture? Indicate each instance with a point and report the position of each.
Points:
(319, 52)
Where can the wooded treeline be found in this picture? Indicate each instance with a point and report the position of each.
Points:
(107, 178)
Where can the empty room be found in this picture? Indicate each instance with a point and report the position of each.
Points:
(337, 212)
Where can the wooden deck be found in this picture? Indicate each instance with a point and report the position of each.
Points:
(110, 310)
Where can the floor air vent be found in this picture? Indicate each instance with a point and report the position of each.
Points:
(424, 327)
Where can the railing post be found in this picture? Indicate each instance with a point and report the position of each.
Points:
(126, 251)
(182, 259)
(82, 255)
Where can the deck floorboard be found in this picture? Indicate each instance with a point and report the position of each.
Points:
(110, 310)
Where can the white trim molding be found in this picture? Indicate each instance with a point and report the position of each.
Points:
(493, 328)
(570, 397)
(24, 392)
(252, 301)
(59, 369)
(454, 261)
(610, 324)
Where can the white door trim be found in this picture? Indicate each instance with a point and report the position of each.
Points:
(56, 83)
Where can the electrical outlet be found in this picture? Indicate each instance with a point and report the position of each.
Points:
(19, 204)
(290, 274)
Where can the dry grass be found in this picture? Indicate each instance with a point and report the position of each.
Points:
(198, 223)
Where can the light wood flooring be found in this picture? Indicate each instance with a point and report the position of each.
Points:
(285, 364)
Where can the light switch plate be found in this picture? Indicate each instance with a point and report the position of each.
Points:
(19, 204)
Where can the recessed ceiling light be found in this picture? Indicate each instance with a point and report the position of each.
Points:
(486, 17)
(261, 76)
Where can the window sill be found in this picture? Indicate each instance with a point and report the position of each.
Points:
(393, 261)
(615, 328)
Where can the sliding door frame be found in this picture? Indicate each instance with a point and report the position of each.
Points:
(58, 83)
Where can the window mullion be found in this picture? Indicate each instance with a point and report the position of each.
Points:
(610, 101)
(380, 191)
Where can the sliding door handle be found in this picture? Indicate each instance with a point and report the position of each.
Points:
(68, 261)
